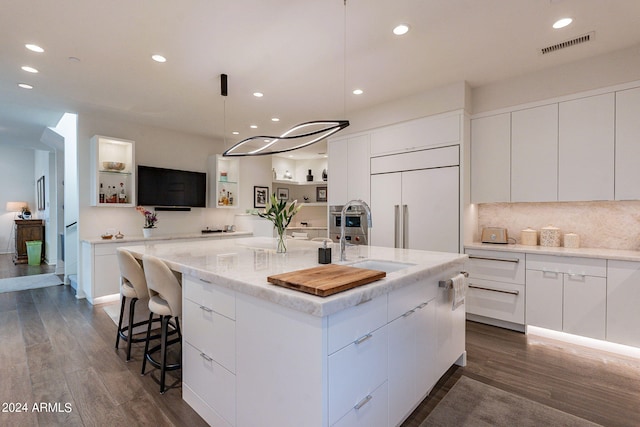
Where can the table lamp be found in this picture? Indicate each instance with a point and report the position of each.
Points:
(17, 207)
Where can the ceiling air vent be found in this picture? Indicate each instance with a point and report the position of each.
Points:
(577, 40)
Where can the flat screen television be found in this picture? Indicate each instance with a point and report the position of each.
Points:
(171, 188)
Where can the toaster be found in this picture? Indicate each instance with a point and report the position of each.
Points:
(494, 235)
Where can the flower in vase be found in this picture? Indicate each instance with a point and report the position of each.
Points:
(150, 218)
(280, 214)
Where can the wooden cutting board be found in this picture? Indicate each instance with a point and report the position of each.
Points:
(327, 279)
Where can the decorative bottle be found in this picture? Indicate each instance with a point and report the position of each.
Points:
(101, 196)
(122, 197)
(324, 174)
(309, 176)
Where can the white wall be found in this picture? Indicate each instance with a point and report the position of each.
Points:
(16, 174)
(42, 167)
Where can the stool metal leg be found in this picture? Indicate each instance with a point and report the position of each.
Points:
(146, 344)
(120, 320)
(132, 311)
(163, 351)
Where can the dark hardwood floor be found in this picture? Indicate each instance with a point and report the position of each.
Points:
(9, 269)
(58, 350)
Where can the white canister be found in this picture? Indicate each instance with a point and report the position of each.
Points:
(550, 236)
(571, 240)
(529, 237)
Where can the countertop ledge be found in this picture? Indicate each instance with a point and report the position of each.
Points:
(140, 238)
(243, 265)
(601, 253)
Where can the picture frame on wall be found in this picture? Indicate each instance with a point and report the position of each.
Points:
(260, 196)
(282, 194)
(321, 194)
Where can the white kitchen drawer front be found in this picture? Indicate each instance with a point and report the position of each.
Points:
(569, 265)
(409, 297)
(347, 326)
(355, 372)
(501, 266)
(211, 333)
(217, 298)
(623, 302)
(215, 385)
(544, 299)
(585, 299)
(497, 300)
(372, 411)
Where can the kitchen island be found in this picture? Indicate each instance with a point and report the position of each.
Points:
(258, 354)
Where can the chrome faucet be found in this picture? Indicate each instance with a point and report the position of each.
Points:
(343, 241)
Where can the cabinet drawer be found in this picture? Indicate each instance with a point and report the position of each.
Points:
(217, 298)
(568, 265)
(409, 297)
(351, 324)
(585, 306)
(215, 385)
(355, 372)
(500, 266)
(497, 300)
(372, 411)
(211, 333)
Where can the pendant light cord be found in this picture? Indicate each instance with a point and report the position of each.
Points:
(344, 63)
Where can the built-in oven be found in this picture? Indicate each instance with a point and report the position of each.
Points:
(356, 230)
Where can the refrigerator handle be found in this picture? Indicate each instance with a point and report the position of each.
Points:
(405, 227)
(396, 226)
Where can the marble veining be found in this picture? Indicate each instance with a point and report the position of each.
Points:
(139, 238)
(243, 265)
(611, 225)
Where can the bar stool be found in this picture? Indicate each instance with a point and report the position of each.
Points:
(133, 285)
(165, 300)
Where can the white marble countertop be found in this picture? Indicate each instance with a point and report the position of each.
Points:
(601, 253)
(243, 265)
(140, 238)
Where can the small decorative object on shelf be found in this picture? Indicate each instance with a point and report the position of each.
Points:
(321, 194)
(150, 219)
(280, 215)
(122, 196)
(309, 176)
(324, 174)
(275, 175)
(287, 175)
(223, 177)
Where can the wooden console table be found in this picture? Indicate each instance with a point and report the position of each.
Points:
(26, 230)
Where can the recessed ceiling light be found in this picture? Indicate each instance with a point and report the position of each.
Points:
(561, 23)
(25, 86)
(34, 48)
(29, 69)
(158, 58)
(258, 94)
(275, 119)
(358, 91)
(401, 29)
(235, 132)
(290, 155)
(253, 127)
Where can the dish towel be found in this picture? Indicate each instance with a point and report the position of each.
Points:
(459, 284)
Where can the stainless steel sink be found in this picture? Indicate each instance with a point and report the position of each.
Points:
(386, 266)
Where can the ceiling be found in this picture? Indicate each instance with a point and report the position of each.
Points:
(306, 56)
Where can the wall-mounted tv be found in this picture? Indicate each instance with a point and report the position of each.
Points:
(171, 188)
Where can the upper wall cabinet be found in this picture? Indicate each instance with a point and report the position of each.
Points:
(534, 154)
(627, 145)
(113, 172)
(348, 169)
(491, 159)
(586, 148)
(440, 129)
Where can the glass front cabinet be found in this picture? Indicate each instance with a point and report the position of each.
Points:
(113, 172)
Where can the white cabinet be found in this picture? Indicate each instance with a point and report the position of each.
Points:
(100, 273)
(224, 182)
(623, 302)
(416, 209)
(496, 287)
(491, 159)
(534, 154)
(113, 172)
(348, 169)
(567, 294)
(586, 149)
(627, 145)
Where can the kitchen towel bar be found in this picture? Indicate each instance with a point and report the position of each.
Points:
(448, 284)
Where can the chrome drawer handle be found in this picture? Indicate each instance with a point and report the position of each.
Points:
(205, 357)
(423, 305)
(502, 291)
(363, 402)
(576, 276)
(408, 313)
(363, 339)
(514, 260)
(205, 281)
(207, 309)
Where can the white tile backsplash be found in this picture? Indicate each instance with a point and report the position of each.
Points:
(613, 225)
